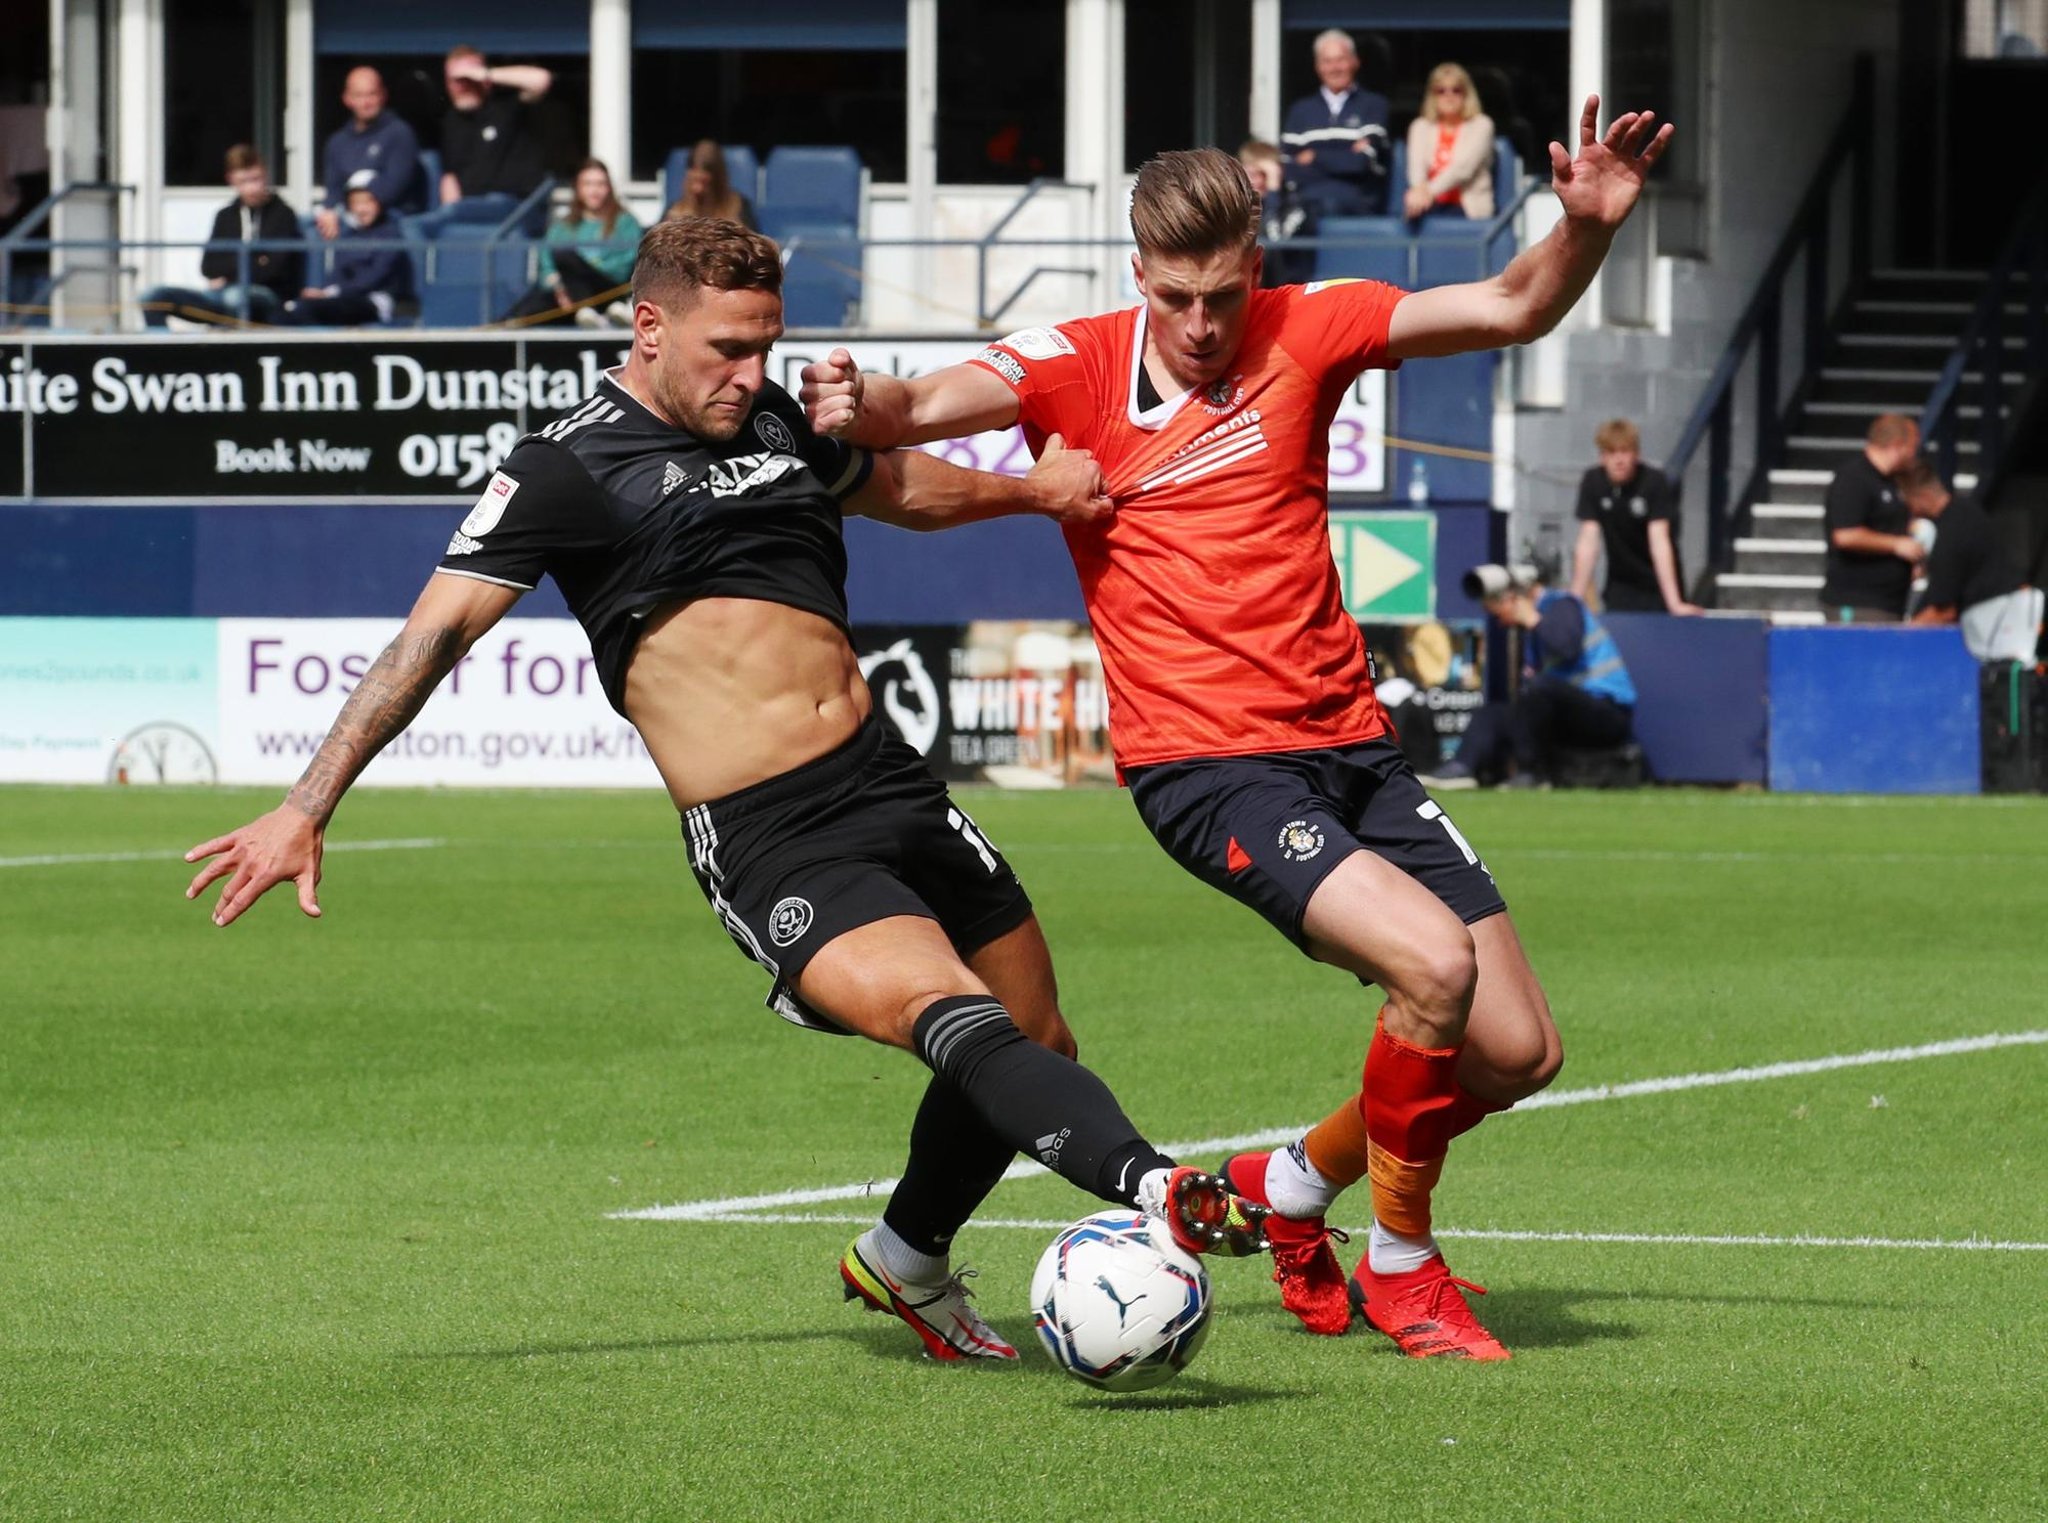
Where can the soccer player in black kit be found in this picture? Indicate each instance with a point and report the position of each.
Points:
(692, 520)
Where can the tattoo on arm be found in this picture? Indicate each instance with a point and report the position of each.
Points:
(390, 695)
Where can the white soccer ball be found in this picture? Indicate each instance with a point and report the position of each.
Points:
(1118, 1303)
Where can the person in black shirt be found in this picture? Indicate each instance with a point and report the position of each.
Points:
(1629, 510)
(488, 148)
(692, 520)
(1871, 551)
(275, 275)
(1972, 579)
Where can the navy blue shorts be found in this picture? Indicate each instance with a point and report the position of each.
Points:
(1268, 829)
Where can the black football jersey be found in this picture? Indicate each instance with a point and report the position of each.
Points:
(630, 515)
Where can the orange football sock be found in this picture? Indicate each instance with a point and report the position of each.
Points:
(1337, 1145)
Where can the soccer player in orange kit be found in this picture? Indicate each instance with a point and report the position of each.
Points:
(1242, 709)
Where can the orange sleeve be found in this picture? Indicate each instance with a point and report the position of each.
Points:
(1049, 369)
(1339, 327)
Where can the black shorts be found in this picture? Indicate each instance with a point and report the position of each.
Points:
(862, 833)
(1268, 829)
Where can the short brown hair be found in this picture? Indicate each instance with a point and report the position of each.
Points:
(1918, 475)
(1617, 434)
(462, 50)
(1891, 429)
(1194, 201)
(679, 257)
(243, 156)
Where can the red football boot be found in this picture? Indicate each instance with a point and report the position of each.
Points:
(1305, 1267)
(1423, 1312)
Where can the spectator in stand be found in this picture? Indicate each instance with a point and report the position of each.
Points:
(708, 190)
(1338, 136)
(588, 256)
(488, 149)
(1629, 510)
(1282, 216)
(1971, 578)
(1871, 549)
(1450, 151)
(374, 139)
(1575, 692)
(371, 275)
(256, 215)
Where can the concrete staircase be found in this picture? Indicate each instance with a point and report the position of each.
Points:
(1886, 357)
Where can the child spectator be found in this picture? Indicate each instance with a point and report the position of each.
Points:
(274, 275)
(372, 273)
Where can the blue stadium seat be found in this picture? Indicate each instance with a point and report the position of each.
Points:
(741, 167)
(824, 182)
(1449, 252)
(1397, 174)
(1385, 259)
(821, 275)
(430, 166)
(468, 280)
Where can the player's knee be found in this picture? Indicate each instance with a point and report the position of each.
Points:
(1445, 975)
(1525, 1060)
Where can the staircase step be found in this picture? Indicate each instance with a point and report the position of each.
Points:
(1795, 484)
(1801, 558)
(1782, 522)
(1825, 451)
(1872, 409)
(1909, 318)
(1767, 592)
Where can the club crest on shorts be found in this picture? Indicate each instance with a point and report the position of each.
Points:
(789, 920)
(1300, 840)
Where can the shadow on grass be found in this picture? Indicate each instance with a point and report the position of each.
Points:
(1190, 1393)
(1538, 1316)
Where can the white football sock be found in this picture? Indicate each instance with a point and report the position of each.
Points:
(1294, 1186)
(1390, 1254)
(880, 1245)
(1151, 1192)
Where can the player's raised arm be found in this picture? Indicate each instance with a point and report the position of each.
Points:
(1531, 296)
(452, 613)
(883, 411)
(917, 491)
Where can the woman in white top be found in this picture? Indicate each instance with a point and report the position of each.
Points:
(1450, 150)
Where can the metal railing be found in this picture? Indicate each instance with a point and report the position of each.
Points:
(1808, 242)
(1435, 253)
(1984, 348)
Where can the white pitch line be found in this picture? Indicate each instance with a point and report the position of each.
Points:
(74, 859)
(1487, 1234)
(715, 1210)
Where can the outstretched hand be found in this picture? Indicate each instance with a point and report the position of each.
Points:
(282, 846)
(831, 394)
(1603, 183)
(1069, 484)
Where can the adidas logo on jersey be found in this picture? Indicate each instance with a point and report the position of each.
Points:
(672, 476)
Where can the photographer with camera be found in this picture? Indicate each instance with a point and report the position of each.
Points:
(1575, 689)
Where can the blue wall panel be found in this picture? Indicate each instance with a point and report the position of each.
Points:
(1863, 710)
(134, 562)
(1702, 694)
(1014, 568)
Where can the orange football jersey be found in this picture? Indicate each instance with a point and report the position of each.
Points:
(1212, 591)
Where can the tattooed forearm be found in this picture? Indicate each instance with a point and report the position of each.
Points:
(391, 693)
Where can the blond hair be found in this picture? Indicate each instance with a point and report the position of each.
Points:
(1888, 430)
(1194, 201)
(1617, 434)
(1450, 74)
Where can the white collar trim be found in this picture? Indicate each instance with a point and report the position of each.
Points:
(1151, 418)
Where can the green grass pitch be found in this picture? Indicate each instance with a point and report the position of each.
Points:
(316, 1220)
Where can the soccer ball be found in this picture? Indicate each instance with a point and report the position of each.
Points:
(1118, 1303)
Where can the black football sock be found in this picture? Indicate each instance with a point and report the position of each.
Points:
(955, 1160)
(1040, 1104)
